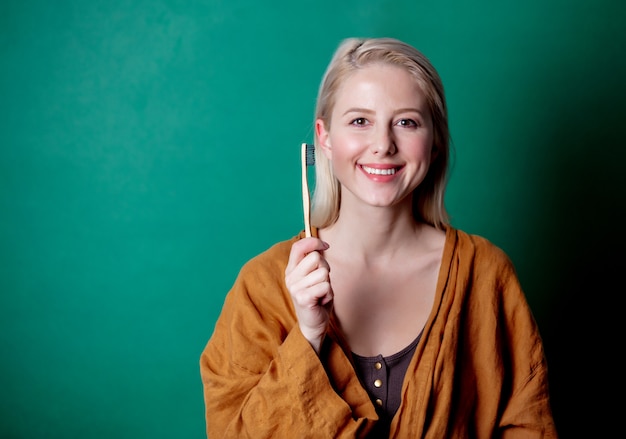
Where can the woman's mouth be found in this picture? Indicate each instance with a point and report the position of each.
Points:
(378, 171)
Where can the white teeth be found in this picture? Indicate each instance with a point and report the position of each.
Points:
(376, 171)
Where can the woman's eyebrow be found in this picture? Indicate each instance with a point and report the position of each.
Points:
(358, 110)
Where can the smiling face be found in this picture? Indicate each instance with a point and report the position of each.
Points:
(380, 136)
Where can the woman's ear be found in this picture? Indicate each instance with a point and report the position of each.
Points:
(323, 136)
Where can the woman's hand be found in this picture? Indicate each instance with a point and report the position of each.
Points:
(307, 277)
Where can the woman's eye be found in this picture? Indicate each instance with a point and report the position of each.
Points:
(359, 121)
(407, 123)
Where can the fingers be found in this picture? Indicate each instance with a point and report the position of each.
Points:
(306, 263)
(300, 249)
(307, 276)
(312, 289)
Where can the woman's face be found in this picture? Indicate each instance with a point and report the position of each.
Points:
(380, 142)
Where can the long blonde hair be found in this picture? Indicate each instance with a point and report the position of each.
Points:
(353, 54)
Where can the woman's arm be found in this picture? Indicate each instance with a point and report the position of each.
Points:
(261, 376)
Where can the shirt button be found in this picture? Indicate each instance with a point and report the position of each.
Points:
(379, 402)
(378, 365)
(378, 383)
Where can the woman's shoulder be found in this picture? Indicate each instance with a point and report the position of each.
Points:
(481, 248)
(486, 263)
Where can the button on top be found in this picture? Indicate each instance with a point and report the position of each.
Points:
(377, 365)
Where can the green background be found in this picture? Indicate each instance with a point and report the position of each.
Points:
(149, 148)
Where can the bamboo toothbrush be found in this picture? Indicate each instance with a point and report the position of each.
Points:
(308, 159)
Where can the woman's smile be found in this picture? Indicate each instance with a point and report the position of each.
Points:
(380, 170)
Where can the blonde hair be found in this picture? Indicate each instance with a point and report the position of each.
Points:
(353, 54)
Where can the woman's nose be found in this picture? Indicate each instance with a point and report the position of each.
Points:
(383, 142)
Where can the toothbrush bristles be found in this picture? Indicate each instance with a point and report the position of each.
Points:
(310, 154)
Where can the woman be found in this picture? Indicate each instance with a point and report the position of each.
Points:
(387, 322)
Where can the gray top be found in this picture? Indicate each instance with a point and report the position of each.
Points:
(382, 377)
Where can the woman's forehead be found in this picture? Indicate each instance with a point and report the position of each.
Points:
(378, 84)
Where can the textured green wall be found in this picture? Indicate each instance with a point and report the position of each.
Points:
(149, 148)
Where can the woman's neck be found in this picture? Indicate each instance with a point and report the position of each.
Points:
(376, 234)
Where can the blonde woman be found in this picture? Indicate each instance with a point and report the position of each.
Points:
(388, 321)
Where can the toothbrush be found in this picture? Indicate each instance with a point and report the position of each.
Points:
(308, 159)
